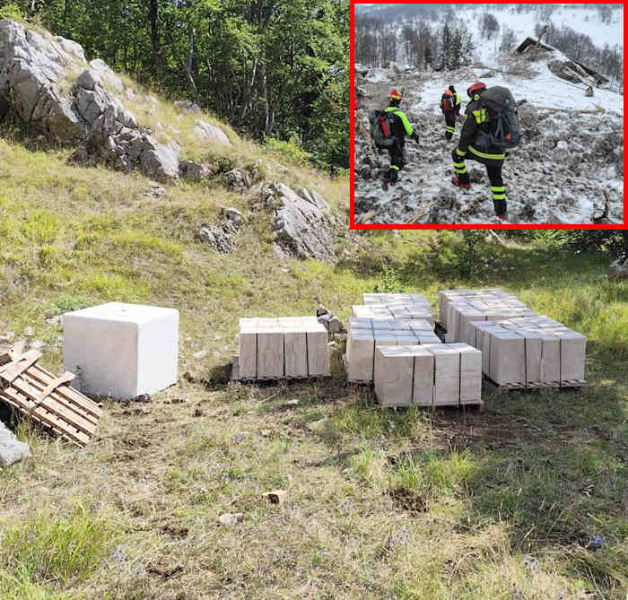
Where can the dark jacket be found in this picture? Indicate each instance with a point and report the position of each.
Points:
(401, 126)
(476, 119)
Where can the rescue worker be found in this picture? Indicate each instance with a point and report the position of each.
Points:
(475, 120)
(399, 129)
(450, 107)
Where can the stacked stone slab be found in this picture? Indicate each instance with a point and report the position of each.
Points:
(430, 375)
(530, 352)
(395, 299)
(283, 348)
(365, 334)
(460, 308)
(397, 311)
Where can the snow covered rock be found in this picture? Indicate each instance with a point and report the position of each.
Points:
(11, 449)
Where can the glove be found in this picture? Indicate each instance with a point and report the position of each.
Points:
(415, 137)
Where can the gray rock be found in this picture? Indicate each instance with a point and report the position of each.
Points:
(160, 162)
(217, 238)
(619, 268)
(301, 227)
(231, 519)
(313, 197)
(332, 323)
(187, 106)
(194, 171)
(233, 216)
(207, 131)
(11, 449)
(237, 179)
(106, 75)
(89, 79)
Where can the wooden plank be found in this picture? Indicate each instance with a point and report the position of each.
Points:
(69, 393)
(51, 405)
(17, 367)
(57, 398)
(41, 413)
(66, 378)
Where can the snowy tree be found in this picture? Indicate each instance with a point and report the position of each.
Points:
(508, 39)
(489, 25)
(605, 13)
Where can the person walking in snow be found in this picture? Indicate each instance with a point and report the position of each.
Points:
(477, 123)
(400, 127)
(450, 107)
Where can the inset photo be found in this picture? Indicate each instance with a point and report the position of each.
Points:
(488, 114)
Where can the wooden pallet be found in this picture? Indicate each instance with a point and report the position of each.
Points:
(49, 400)
(235, 375)
(535, 385)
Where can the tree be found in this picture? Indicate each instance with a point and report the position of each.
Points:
(508, 40)
(489, 25)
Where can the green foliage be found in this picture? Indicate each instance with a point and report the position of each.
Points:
(12, 11)
(290, 150)
(61, 547)
(389, 282)
(68, 303)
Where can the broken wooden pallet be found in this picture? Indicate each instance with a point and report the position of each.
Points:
(49, 400)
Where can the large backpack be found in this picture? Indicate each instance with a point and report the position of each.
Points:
(502, 116)
(381, 128)
(447, 103)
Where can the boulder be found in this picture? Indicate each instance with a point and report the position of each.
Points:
(194, 171)
(302, 228)
(313, 197)
(237, 179)
(207, 131)
(11, 449)
(187, 106)
(619, 268)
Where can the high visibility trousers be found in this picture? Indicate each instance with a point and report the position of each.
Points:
(396, 163)
(494, 172)
(450, 124)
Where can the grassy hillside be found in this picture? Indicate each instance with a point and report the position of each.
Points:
(382, 504)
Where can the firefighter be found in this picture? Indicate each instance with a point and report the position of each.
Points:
(450, 107)
(400, 128)
(475, 120)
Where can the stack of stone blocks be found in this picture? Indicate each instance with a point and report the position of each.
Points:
(460, 308)
(530, 352)
(430, 375)
(283, 348)
(364, 335)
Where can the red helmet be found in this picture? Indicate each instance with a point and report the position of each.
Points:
(475, 88)
(395, 95)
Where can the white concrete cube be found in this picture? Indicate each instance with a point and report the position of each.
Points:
(122, 350)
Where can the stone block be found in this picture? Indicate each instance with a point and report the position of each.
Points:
(287, 347)
(122, 350)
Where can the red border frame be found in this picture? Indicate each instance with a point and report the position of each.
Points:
(354, 225)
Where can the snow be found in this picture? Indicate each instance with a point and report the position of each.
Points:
(544, 90)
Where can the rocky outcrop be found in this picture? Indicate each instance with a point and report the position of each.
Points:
(303, 229)
(11, 449)
(222, 238)
(47, 82)
(619, 268)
